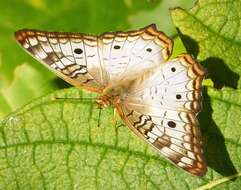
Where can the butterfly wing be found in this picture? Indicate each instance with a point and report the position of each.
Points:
(125, 54)
(94, 62)
(161, 107)
(73, 57)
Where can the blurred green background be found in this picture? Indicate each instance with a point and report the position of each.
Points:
(22, 78)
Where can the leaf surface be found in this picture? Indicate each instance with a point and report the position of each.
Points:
(211, 32)
(56, 143)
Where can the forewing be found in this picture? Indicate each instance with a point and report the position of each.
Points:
(161, 107)
(73, 57)
(126, 54)
(95, 62)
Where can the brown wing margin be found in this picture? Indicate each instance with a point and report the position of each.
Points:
(148, 32)
(197, 73)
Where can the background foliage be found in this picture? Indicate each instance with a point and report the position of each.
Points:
(51, 144)
(22, 78)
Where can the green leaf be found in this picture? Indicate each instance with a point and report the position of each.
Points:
(211, 32)
(57, 144)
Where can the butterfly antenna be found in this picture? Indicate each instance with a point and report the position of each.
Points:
(76, 99)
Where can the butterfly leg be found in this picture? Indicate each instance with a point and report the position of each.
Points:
(100, 109)
(114, 119)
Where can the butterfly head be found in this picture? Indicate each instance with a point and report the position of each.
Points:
(111, 96)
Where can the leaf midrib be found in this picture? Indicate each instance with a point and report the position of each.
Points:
(226, 101)
(218, 182)
(95, 145)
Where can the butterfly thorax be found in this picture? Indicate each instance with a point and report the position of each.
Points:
(115, 94)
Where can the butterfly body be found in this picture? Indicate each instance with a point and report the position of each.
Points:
(157, 98)
(117, 93)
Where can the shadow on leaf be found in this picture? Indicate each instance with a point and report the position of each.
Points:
(190, 44)
(61, 84)
(215, 150)
(220, 73)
